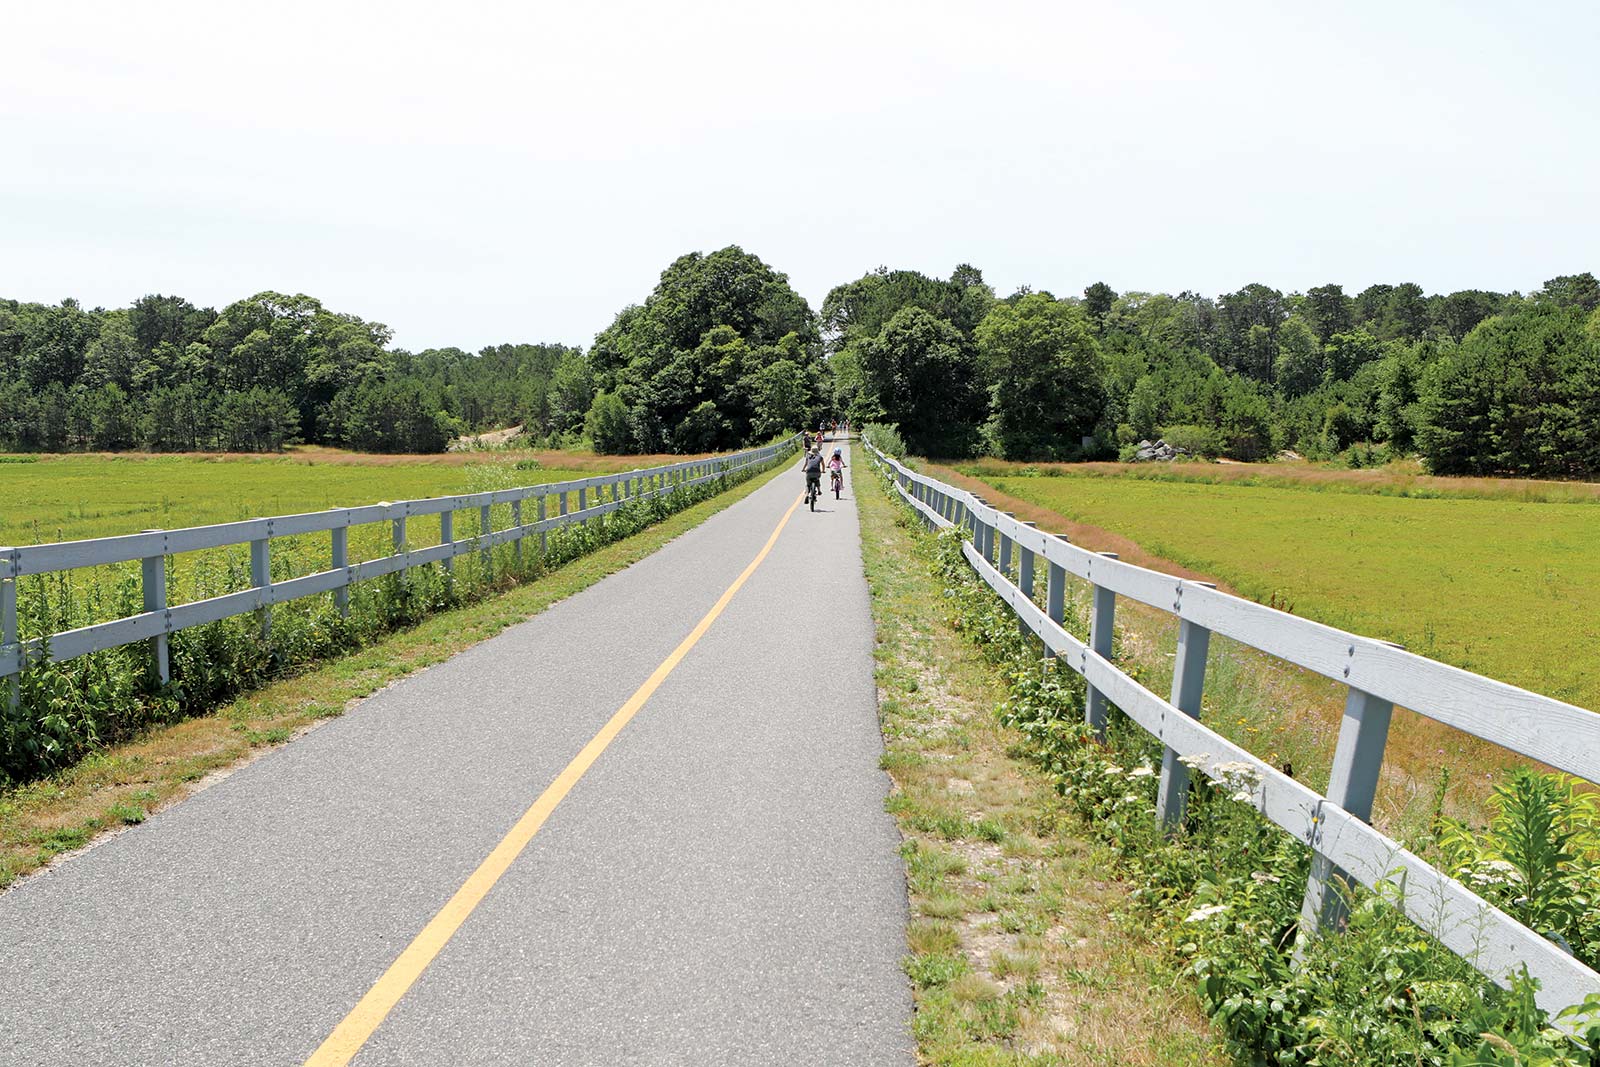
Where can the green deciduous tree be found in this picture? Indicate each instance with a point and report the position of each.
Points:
(920, 373)
(684, 364)
(606, 424)
(1047, 373)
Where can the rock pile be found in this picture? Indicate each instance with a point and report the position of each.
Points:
(1158, 451)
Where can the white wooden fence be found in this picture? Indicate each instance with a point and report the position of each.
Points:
(1008, 555)
(151, 548)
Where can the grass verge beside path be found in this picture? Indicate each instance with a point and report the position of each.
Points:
(123, 784)
(1018, 953)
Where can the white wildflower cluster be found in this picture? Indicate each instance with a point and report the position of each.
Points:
(1263, 878)
(1210, 911)
(1144, 770)
(1238, 779)
(1494, 874)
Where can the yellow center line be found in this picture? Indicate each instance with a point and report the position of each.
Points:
(369, 1013)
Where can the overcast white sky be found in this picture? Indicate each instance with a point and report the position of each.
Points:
(475, 173)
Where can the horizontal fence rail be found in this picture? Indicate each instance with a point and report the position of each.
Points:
(1378, 675)
(151, 549)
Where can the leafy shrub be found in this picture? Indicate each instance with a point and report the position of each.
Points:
(886, 438)
(1363, 454)
(1200, 440)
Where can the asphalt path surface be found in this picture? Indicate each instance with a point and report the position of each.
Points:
(722, 886)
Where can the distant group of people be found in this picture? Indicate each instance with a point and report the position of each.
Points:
(813, 463)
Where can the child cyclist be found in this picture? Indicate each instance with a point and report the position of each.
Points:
(836, 470)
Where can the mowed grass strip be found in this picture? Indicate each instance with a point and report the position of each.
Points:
(123, 784)
(1017, 950)
(1504, 588)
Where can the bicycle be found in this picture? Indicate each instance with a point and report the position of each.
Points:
(813, 490)
(838, 483)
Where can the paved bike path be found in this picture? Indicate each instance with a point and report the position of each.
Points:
(721, 887)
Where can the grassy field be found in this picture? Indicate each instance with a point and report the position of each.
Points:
(1509, 588)
(60, 498)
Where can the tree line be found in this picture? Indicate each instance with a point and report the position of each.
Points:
(263, 373)
(723, 353)
(1475, 382)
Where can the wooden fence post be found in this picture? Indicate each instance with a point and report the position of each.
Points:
(1102, 625)
(485, 528)
(153, 583)
(1025, 577)
(516, 524)
(1055, 595)
(1352, 785)
(261, 577)
(339, 560)
(10, 631)
(398, 540)
(977, 529)
(1188, 685)
(447, 534)
(544, 535)
(1004, 561)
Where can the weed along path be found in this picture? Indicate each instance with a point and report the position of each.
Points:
(645, 827)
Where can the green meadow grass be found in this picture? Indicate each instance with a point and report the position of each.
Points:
(77, 497)
(1506, 588)
(70, 498)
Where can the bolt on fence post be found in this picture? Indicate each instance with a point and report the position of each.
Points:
(10, 632)
(153, 583)
(1352, 785)
(1188, 685)
(261, 578)
(1102, 627)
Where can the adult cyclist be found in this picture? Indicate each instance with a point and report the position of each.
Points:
(812, 465)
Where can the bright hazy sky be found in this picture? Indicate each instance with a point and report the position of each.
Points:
(474, 173)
